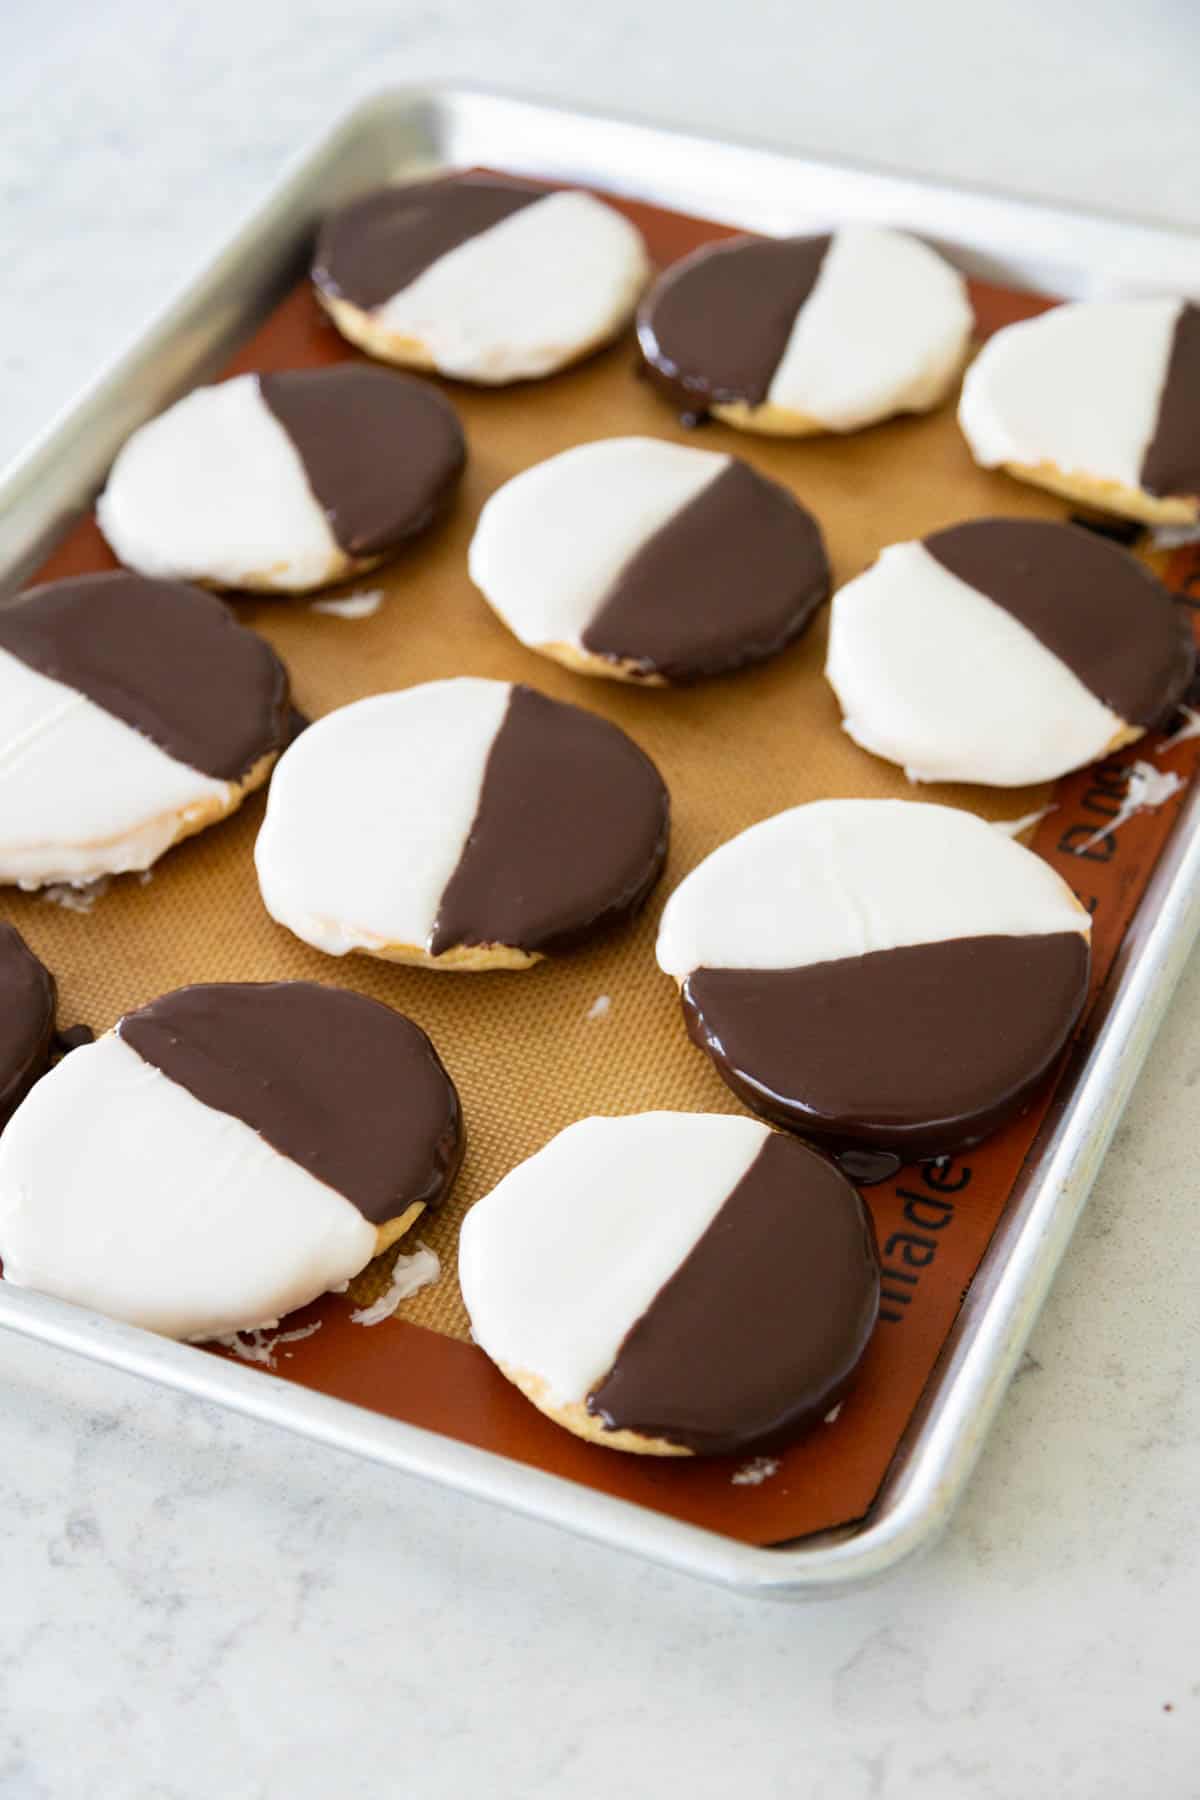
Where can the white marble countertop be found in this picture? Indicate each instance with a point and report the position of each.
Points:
(193, 1608)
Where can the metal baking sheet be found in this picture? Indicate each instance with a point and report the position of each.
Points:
(1007, 241)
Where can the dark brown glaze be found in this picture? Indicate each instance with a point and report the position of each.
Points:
(1091, 604)
(1171, 464)
(163, 657)
(383, 453)
(28, 996)
(760, 1329)
(735, 576)
(569, 837)
(377, 245)
(297, 722)
(347, 1088)
(921, 1050)
(1105, 525)
(867, 1168)
(714, 328)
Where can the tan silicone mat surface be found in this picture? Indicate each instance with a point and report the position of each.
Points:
(525, 1049)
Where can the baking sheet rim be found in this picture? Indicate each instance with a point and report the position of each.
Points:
(948, 1430)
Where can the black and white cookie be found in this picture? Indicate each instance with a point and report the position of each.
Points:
(283, 483)
(462, 824)
(227, 1154)
(878, 972)
(482, 278)
(648, 561)
(132, 714)
(1005, 651)
(28, 997)
(1098, 400)
(673, 1283)
(799, 335)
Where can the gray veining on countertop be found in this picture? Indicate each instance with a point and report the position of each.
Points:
(193, 1608)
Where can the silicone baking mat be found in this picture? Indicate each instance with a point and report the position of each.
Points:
(532, 1051)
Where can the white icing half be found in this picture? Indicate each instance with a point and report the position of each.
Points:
(527, 294)
(214, 490)
(369, 811)
(883, 331)
(121, 1191)
(846, 877)
(566, 1254)
(551, 542)
(936, 677)
(1078, 387)
(81, 793)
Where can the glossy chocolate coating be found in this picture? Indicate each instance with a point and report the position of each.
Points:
(867, 1168)
(163, 657)
(27, 1000)
(714, 328)
(736, 575)
(383, 453)
(377, 245)
(569, 837)
(1107, 525)
(922, 1050)
(1171, 464)
(760, 1329)
(1095, 607)
(347, 1088)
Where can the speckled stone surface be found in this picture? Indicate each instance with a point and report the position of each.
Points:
(193, 1608)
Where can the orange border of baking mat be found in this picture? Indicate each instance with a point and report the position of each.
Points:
(934, 1221)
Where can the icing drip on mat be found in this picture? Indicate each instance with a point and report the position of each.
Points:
(1189, 729)
(1148, 787)
(756, 1471)
(409, 1275)
(260, 1346)
(353, 606)
(1014, 827)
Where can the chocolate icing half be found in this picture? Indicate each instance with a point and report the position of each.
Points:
(347, 1088)
(762, 1326)
(867, 1168)
(1097, 608)
(922, 1050)
(714, 328)
(1105, 525)
(570, 834)
(28, 996)
(735, 575)
(1171, 464)
(163, 657)
(383, 453)
(378, 244)
(297, 722)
